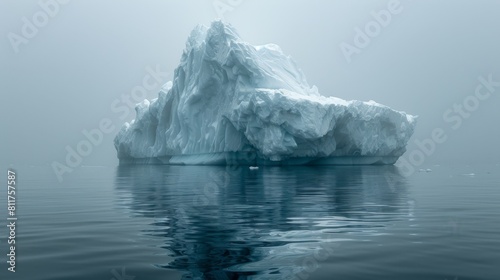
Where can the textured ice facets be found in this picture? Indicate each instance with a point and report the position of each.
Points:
(231, 102)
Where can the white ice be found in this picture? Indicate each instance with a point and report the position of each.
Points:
(231, 102)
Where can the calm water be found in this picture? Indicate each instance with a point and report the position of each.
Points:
(174, 222)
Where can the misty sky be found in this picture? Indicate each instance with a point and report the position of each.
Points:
(90, 54)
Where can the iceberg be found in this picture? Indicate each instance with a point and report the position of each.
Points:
(234, 103)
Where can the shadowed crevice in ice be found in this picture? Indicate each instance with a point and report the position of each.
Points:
(231, 102)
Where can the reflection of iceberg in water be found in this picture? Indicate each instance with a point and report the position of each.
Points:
(220, 222)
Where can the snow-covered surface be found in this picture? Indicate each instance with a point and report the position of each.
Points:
(231, 102)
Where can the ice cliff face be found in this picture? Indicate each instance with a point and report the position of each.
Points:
(231, 102)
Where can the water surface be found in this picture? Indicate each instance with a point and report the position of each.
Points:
(195, 222)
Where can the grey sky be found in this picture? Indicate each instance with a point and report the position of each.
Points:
(91, 53)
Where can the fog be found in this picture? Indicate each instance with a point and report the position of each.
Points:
(81, 65)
